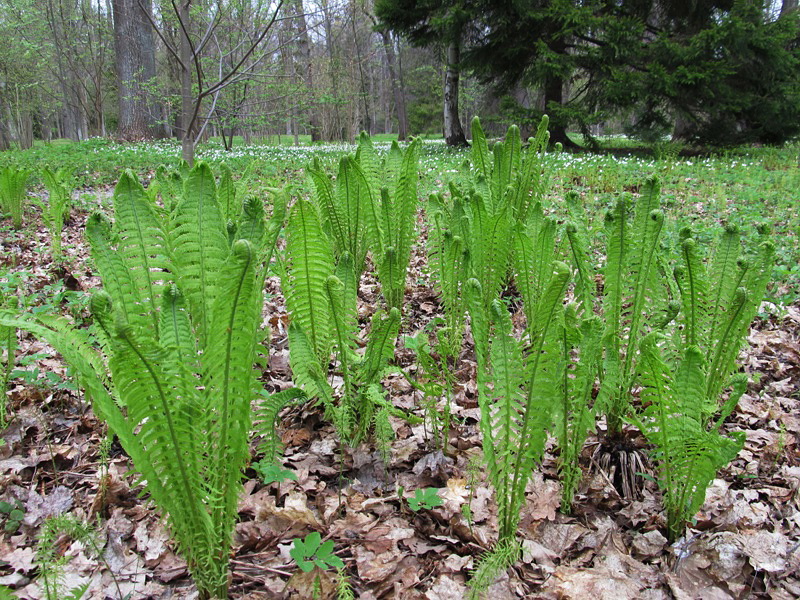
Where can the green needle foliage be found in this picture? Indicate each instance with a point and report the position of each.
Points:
(55, 212)
(13, 189)
(178, 327)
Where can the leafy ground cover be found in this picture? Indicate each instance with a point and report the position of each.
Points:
(394, 536)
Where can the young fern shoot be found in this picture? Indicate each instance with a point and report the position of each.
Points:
(178, 325)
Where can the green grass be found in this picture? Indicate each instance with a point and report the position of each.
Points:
(745, 185)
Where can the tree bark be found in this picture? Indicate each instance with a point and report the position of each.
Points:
(453, 132)
(136, 69)
(554, 94)
(187, 97)
(397, 90)
(305, 58)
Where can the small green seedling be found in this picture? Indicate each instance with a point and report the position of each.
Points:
(425, 498)
(310, 553)
(272, 473)
(5, 593)
(13, 513)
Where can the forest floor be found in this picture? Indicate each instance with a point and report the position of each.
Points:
(744, 543)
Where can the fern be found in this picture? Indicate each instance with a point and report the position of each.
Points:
(266, 418)
(581, 345)
(13, 184)
(688, 454)
(8, 342)
(516, 396)
(495, 215)
(182, 374)
(447, 257)
(310, 263)
(141, 245)
(633, 295)
(345, 209)
(398, 209)
(57, 208)
(199, 244)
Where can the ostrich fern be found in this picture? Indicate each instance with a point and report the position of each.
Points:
(178, 324)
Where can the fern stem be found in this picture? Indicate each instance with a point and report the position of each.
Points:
(524, 436)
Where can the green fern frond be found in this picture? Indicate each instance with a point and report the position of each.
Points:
(584, 274)
(310, 264)
(367, 158)
(161, 436)
(175, 328)
(141, 244)
(723, 274)
(688, 454)
(199, 245)
(491, 564)
(252, 224)
(307, 372)
(229, 378)
(229, 206)
(266, 421)
(115, 273)
(574, 418)
(479, 322)
(13, 189)
(380, 346)
(693, 284)
(502, 412)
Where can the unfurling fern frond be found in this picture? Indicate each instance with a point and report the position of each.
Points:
(447, 257)
(230, 206)
(199, 244)
(633, 296)
(310, 263)
(252, 224)
(265, 422)
(13, 189)
(516, 396)
(141, 245)
(345, 208)
(182, 376)
(688, 454)
(581, 343)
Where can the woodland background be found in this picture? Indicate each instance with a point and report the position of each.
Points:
(716, 72)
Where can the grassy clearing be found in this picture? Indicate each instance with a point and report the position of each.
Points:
(745, 186)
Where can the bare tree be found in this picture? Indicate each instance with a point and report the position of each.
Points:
(200, 49)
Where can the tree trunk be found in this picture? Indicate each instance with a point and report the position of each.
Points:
(136, 69)
(397, 90)
(187, 97)
(554, 94)
(453, 132)
(305, 58)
